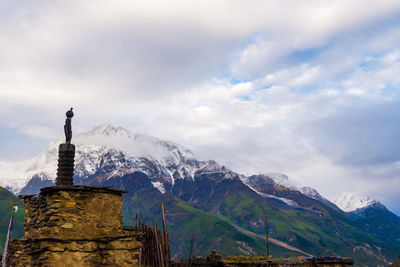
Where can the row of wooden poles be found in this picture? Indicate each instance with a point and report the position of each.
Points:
(155, 244)
(192, 251)
(155, 249)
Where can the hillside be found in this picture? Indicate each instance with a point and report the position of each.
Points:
(377, 220)
(6, 198)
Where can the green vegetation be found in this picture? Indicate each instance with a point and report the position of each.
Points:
(183, 221)
(318, 230)
(5, 214)
(327, 234)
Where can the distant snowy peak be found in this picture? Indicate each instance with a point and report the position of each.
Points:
(351, 201)
(310, 192)
(133, 144)
(277, 178)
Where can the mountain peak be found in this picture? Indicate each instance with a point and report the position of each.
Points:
(107, 129)
(351, 201)
(133, 144)
(310, 192)
(92, 147)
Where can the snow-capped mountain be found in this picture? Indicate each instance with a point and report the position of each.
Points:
(351, 201)
(145, 166)
(109, 151)
(276, 178)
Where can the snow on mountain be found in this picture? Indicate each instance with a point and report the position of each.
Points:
(104, 147)
(312, 193)
(159, 186)
(277, 178)
(107, 151)
(137, 145)
(351, 201)
(15, 175)
(283, 199)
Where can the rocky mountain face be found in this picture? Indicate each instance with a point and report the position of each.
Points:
(223, 209)
(377, 220)
(371, 216)
(104, 152)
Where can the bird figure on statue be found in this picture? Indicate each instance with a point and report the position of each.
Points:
(67, 126)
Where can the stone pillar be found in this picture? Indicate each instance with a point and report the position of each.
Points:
(65, 170)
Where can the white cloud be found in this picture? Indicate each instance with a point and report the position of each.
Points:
(262, 86)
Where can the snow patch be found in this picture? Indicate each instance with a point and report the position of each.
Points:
(351, 201)
(159, 186)
(285, 200)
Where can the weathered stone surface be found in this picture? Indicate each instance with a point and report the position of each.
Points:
(74, 212)
(215, 259)
(117, 251)
(75, 226)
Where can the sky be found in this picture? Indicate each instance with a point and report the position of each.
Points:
(306, 88)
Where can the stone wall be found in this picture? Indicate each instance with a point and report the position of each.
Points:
(73, 212)
(76, 226)
(216, 260)
(118, 251)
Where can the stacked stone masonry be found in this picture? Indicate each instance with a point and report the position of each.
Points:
(75, 226)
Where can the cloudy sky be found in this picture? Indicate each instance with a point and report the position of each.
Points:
(307, 88)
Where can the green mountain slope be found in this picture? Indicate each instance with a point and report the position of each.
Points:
(313, 234)
(378, 221)
(305, 223)
(183, 221)
(228, 216)
(6, 198)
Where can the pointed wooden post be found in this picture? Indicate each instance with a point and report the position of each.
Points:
(163, 217)
(189, 262)
(266, 233)
(164, 237)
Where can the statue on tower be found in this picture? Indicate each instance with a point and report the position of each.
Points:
(67, 126)
(66, 155)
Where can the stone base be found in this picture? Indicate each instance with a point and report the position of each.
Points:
(115, 251)
(75, 226)
(73, 212)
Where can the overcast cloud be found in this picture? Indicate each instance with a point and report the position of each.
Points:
(306, 88)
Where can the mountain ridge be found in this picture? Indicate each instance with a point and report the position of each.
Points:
(300, 217)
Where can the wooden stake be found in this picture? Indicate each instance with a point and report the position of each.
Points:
(266, 233)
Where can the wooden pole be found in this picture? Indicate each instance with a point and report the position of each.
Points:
(163, 218)
(266, 233)
(189, 263)
(195, 248)
(165, 242)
